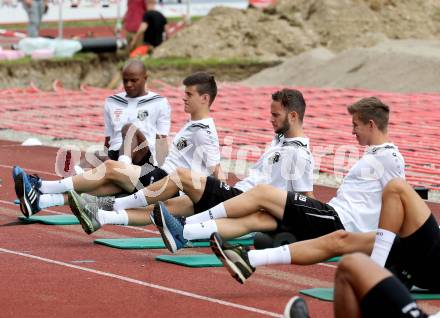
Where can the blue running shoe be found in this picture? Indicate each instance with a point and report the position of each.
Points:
(26, 188)
(169, 227)
(296, 308)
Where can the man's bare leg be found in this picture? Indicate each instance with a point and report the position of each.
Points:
(402, 213)
(313, 251)
(260, 198)
(109, 178)
(355, 276)
(190, 182)
(123, 176)
(179, 206)
(235, 227)
(333, 244)
(134, 145)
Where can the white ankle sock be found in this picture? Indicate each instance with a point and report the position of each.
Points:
(199, 231)
(382, 246)
(216, 212)
(48, 200)
(270, 256)
(125, 159)
(119, 217)
(78, 170)
(136, 200)
(59, 186)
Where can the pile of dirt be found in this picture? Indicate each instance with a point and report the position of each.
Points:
(231, 33)
(394, 65)
(295, 26)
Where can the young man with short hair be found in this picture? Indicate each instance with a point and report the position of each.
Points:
(136, 121)
(195, 146)
(355, 208)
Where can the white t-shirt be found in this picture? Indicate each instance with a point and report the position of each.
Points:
(359, 198)
(194, 147)
(287, 164)
(149, 113)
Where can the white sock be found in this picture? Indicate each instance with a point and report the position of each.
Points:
(216, 212)
(270, 256)
(78, 170)
(59, 186)
(199, 231)
(125, 159)
(382, 246)
(119, 217)
(136, 200)
(48, 200)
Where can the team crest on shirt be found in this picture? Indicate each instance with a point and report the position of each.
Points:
(275, 158)
(142, 114)
(117, 114)
(182, 143)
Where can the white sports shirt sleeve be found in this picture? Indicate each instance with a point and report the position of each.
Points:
(163, 122)
(207, 149)
(108, 127)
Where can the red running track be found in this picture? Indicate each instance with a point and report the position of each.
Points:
(57, 271)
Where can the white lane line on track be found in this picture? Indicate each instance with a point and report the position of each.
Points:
(327, 265)
(31, 170)
(146, 284)
(136, 228)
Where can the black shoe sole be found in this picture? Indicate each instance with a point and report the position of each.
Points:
(19, 190)
(233, 269)
(74, 208)
(159, 224)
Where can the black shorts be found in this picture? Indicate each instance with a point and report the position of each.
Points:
(307, 218)
(150, 174)
(418, 255)
(386, 299)
(114, 155)
(215, 192)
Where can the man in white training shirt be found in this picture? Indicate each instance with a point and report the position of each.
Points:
(136, 122)
(356, 206)
(286, 164)
(195, 147)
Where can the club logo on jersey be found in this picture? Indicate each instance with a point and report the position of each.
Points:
(275, 158)
(182, 143)
(142, 115)
(117, 114)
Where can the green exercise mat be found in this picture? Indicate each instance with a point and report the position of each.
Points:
(327, 294)
(59, 219)
(157, 242)
(133, 242)
(333, 259)
(199, 260)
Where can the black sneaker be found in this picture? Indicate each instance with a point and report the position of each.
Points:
(26, 188)
(233, 256)
(296, 308)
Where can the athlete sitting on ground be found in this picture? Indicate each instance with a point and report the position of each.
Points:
(364, 289)
(286, 164)
(136, 122)
(355, 208)
(408, 233)
(195, 146)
